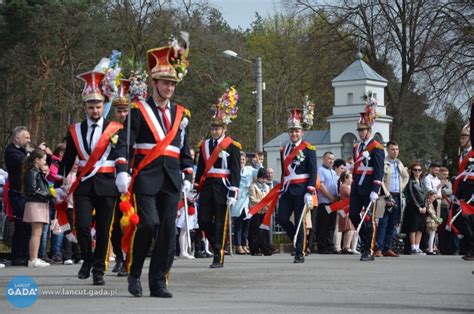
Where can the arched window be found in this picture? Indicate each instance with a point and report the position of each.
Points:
(348, 141)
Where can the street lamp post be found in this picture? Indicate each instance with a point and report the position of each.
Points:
(259, 93)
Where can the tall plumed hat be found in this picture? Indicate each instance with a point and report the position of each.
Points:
(169, 62)
(92, 86)
(121, 97)
(368, 117)
(301, 118)
(102, 81)
(225, 110)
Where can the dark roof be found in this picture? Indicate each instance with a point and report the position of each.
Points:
(314, 137)
(359, 70)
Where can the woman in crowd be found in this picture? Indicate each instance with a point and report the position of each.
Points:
(415, 211)
(240, 210)
(38, 196)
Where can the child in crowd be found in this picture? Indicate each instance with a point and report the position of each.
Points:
(192, 223)
(259, 239)
(38, 196)
(432, 221)
(345, 224)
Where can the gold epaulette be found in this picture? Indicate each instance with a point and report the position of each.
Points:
(134, 105)
(237, 144)
(380, 146)
(312, 147)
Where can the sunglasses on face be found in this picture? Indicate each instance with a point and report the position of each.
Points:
(417, 170)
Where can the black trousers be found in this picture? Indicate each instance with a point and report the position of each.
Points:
(213, 217)
(22, 232)
(157, 223)
(259, 239)
(104, 212)
(116, 237)
(70, 250)
(368, 229)
(287, 205)
(326, 223)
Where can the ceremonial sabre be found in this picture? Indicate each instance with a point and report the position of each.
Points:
(188, 235)
(303, 214)
(129, 126)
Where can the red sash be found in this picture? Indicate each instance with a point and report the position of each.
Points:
(369, 148)
(152, 155)
(289, 159)
(271, 198)
(161, 145)
(104, 140)
(213, 158)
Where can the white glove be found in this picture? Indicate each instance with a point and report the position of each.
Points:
(308, 200)
(186, 189)
(231, 201)
(122, 181)
(374, 196)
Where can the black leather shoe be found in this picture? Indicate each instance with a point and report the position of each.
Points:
(98, 280)
(118, 266)
(135, 286)
(299, 259)
(367, 257)
(85, 271)
(200, 254)
(216, 265)
(161, 293)
(122, 272)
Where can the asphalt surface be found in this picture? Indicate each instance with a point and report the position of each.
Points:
(248, 284)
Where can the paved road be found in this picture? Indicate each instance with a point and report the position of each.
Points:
(324, 284)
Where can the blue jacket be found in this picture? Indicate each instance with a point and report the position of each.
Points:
(300, 175)
(368, 168)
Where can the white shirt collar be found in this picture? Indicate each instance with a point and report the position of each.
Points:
(100, 123)
(297, 143)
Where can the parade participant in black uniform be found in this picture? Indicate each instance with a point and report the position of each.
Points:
(368, 174)
(120, 104)
(94, 187)
(159, 137)
(299, 172)
(463, 190)
(218, 176)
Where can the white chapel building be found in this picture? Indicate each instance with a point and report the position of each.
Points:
(356, 80)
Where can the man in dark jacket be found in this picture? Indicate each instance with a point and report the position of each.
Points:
(217, 181)
(15, 153)
(368, 174)
(90, 142)
(159, 137)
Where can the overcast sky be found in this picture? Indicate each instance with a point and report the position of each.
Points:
(242, 12)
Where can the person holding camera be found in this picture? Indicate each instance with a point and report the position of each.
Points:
(395, 179)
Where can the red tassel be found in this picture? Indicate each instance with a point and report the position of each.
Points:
(125, 206)
(191, 210)
(134, 219)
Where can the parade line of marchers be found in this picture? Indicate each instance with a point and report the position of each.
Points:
(137, 171)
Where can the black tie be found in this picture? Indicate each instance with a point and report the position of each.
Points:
(92, 136)
(361, 147)
(213, 145)
(292, 147)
